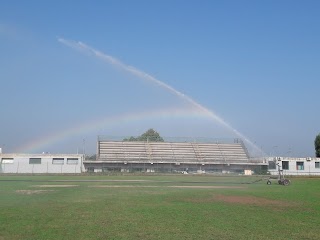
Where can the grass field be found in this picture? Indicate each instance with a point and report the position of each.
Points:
(157, 207)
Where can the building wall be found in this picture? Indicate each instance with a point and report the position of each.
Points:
(102, 166)
(295, 166)
(41, 163)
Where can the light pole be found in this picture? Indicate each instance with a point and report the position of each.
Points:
(289, 152)
(84, 148)
(275, 150)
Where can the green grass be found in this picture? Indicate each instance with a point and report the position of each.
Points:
(153, 209)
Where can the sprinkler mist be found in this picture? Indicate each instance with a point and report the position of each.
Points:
(145, 76)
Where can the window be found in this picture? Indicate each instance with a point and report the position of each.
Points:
(34, 160)
(300, 165)
(7, 160)
(285, 165)
(72, 160)
(58, 161)
(317, 164)
(272, 165)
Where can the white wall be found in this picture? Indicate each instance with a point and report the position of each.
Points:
(309, 166)
(19, 163)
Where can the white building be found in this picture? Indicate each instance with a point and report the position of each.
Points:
(295, 166)
(41, 163)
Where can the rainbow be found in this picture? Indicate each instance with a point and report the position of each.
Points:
(86, 49)
(196, 109)
(44, 142)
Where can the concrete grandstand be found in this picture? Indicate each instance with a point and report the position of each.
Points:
(185, 156)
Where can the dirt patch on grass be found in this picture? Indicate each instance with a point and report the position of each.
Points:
(121, 186)
(148, 186)
(250, 200)
(210, 187)
(245, 200)
(30, 192)
(55, 186)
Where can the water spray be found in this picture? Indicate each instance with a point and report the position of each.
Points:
(143, 75)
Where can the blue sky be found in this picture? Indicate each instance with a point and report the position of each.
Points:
(255, 64)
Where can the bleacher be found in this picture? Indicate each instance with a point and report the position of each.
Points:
(171, 152)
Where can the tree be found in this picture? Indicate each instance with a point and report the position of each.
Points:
(317, 145)
(149, 136)
(131, 139)
(92, 157)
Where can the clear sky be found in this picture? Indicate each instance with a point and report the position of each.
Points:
(254, 64)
